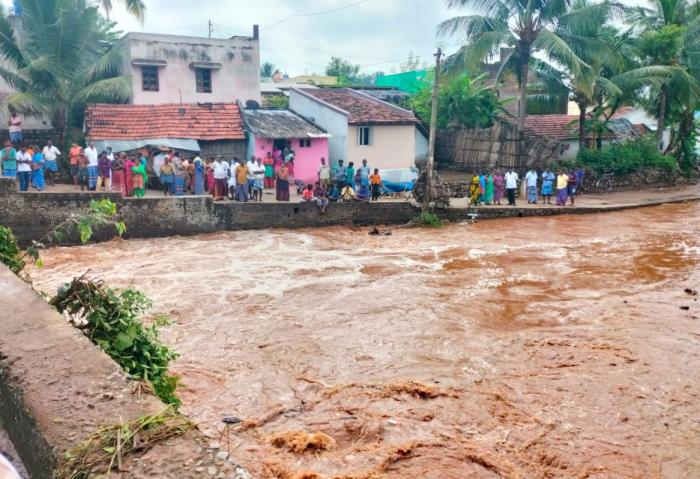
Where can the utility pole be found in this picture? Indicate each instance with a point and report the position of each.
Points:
(431, 140)
(211, 28)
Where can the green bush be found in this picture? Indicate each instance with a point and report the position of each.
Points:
(10, 253)
(112, 322)
(626, 157)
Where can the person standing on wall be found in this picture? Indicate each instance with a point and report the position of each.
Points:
(8, 156)
(511, 186)
(93, 170)
(339, 173)
(547, 186)
(375, 181)
(269, 163)
(73, 156)
(562, 188)
(51, 154)
(15, 127)
(251, 176)
(324, 174)
(365, 171)
(221, 169)
(24, 168)
(531, 181)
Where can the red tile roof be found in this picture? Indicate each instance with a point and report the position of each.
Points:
(553, 127)
(213, 121)
(362, 109)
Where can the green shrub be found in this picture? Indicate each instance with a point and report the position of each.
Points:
(430, 220)
(10, 253)
(626, 157)
(112, 322)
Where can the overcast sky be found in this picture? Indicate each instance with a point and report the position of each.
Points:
(376, 34)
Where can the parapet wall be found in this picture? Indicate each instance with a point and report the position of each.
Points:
(33, 215)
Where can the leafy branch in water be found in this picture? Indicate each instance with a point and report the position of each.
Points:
(107, 447)
(110, 318)
(431, 220)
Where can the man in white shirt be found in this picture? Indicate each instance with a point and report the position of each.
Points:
(91, 154)
(51, 154)
(24, 168)
(511, 186)
(324, 174)
(531, 181)
(221, 169)
(93, 171)
(251, 176)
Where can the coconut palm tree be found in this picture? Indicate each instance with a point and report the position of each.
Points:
(526, 27)
(667, 31)
(136, 7)
(58, 58)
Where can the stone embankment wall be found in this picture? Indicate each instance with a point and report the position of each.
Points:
(31, 216)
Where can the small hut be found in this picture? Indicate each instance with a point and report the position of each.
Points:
(276, 129)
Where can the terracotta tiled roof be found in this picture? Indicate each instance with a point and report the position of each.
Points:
(362, 109)
(553, 127)
(214, 121)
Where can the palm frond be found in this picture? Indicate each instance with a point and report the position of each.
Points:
(556, 48)
(9, 48)
(116, 89)
(28, 104)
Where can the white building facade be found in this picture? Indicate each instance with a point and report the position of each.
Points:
(167, 69)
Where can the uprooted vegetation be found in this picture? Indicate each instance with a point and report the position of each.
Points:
(110, 318)
(106, 448)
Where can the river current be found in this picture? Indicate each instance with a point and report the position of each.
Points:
(517, 348)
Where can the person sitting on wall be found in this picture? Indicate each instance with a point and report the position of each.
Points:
(334, 193)
(307, 195)
(362, 193)
(321, 198)
(347, 194)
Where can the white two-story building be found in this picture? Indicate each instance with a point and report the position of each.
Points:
(172, 69)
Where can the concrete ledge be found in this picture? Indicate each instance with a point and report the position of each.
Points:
(57, 388)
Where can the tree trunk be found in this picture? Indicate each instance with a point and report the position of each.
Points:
(522, 102)
(662, 118)
(582, 105)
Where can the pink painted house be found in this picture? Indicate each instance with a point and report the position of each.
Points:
(270, 129)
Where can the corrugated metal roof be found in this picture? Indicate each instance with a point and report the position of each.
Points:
(281, 124)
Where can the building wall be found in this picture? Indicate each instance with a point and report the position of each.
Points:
(229, 149)
(421, 147)
(334, 122)
(237, 79)
(306, 160)
(391, 147)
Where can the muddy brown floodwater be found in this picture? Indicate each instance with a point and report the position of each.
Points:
(520, 348)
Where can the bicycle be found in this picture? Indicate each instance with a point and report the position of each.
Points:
(605, 182)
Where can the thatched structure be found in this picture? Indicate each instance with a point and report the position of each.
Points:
(496, 147)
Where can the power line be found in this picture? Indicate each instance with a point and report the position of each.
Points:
(314, 14)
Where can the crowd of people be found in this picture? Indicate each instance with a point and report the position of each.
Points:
(31, 166)
(176, 174)
(491, 188)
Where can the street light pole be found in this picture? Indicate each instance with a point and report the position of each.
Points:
(431, 139)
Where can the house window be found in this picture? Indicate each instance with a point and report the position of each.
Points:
(203, 76)
(149, 78)
(363, 135)
(305, 143)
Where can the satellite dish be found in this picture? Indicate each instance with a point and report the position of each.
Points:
(252, 105)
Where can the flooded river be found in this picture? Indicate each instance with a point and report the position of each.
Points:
(520, 348)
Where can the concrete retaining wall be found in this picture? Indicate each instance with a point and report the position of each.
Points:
(33, 215)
